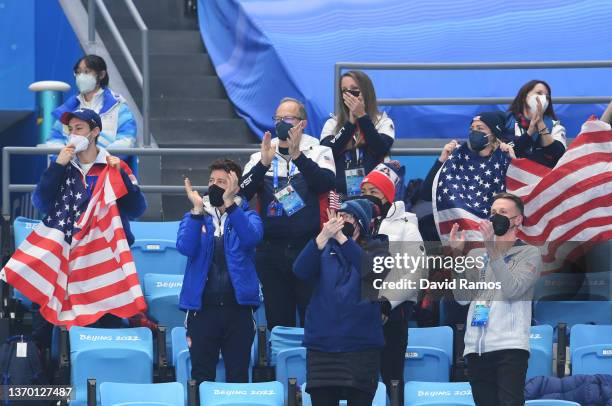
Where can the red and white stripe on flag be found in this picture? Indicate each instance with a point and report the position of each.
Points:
(77, 283)
(571, 202)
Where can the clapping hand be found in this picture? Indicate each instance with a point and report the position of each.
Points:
(194, 197)
(267, 149)
(295, 137)
(457, 239)
(330, 229)
(232, 190)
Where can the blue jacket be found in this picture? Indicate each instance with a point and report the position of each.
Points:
(118, 123)
(131, 205)
(338, 319)
(242, 232)
(588, 390)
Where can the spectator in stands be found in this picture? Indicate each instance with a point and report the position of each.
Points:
(607, 115)
(360, 136)
(533, 127)
(93, 93)
(343, 333)
(290, 176)
(402, 230)
(486, 133)
(84, 153)
(498, 322)
(220, 287)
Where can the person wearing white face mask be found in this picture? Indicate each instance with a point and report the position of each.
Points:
(532, 125)
(92, 80)
(83, 152)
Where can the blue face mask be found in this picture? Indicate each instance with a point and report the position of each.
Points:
(282, 130)
(478, 140)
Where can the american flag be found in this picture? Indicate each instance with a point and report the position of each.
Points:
(570, 203)
(463, 190)
(76, 264)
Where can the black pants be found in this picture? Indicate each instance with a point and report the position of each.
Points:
(229, 329)
(283, 292)
(392, 356)
(333, 394)
(497, 378)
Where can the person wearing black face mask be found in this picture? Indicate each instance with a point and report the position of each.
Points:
(219, 235)
(359, 135)
(343, 332)
(498, 320)
(288, 176)
(483, 139)
(401, 228)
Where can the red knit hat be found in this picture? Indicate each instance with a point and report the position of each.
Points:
(383, 177)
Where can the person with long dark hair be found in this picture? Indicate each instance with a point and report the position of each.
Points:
(343, 331)
(533, 127)
(360, 136)
(91, 77)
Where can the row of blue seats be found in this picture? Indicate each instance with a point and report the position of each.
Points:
(270, 394)
(126, 355)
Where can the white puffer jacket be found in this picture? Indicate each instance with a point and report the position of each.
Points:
(402, 228)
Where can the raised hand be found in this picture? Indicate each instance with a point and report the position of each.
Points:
(113, 162)
(457, 239)
(447, 150)
(66, 154)
(330, 229)
(194, 197)
(355, 105)
(267, 149)
(231, 190)
(536, 118)
(295, 136)
(507, 148)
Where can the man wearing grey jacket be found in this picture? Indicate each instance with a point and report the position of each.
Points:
(499, 294)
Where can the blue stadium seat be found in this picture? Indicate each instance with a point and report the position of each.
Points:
(574, 286)
(572, 312)
(291, 363)
(179, 342)
(429, 354)
(541, 357)
(162, 296)
(380, 397)
(550, 402)
(591, 349)
(241, 394)
(438, 394)
(157, 256)
(283, 338)
(133, 394)
(109, 355)
(148, 230)
(22, 227)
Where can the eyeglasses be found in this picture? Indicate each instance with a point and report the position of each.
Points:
(354, 92)
(286, 119)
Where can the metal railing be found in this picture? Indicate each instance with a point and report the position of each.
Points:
(142, 78)
(7, 152)
(340, 66)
